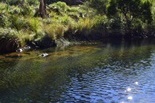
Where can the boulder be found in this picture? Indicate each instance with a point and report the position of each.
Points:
(8, 45)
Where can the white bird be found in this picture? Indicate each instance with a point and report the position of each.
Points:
(19, 50)
(44, 55)
(23, 49)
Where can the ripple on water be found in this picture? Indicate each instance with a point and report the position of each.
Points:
(104, 85)
(96, 88)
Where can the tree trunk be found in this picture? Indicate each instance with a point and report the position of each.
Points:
(22, 2)
(42, 9)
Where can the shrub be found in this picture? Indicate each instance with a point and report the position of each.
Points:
(18, 22)
(55, 31)
(86, 23)
(3, 6)
(4, 20)
(99, 5)
(15, 10)
(59, 6)
(34, 24)
(33, 2)
(27, 10)
(18, 2)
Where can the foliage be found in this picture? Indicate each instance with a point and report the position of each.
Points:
(18, 2)
(61, 6)
(34, 24)
(133, 15)
(55, 31)
(130, 9)
(100, 5)
(97, 17)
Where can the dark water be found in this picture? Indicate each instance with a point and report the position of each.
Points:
(102, 73)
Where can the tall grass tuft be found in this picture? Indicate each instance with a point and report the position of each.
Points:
(55, 31)
(34, 24)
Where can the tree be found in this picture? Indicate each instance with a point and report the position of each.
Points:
(99, 5)
(130, 10)
(42, 9)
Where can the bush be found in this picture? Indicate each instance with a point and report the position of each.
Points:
(28, 10)
(4, 21)
(19, 2)
(33, 2)
(25, 10)
(99, 5)
(34, 24)
(55, 31)
(3, 6)
(18, 22)
(59, 6)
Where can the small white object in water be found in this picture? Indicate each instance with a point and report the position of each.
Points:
(20, 50)
(44, 55)
(129, 97)
(136, 83)
(128, 89)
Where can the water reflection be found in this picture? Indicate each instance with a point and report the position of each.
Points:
(111, 73)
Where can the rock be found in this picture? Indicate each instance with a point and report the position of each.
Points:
(45, 42)
(9, 44)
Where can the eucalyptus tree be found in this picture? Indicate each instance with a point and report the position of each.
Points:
(99, 5)
(42, 8)
(131, 10)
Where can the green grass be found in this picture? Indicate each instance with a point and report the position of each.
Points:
(62, 19)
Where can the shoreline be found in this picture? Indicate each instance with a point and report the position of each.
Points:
(47, 42)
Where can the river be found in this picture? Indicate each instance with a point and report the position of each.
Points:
(116, 72)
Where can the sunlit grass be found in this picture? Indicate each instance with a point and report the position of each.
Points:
(62, 19)
(55, 31)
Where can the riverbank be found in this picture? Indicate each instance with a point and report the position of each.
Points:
(20, 28)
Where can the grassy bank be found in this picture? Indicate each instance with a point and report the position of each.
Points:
(19, 27)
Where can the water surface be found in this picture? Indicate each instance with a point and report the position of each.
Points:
(101, 73)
